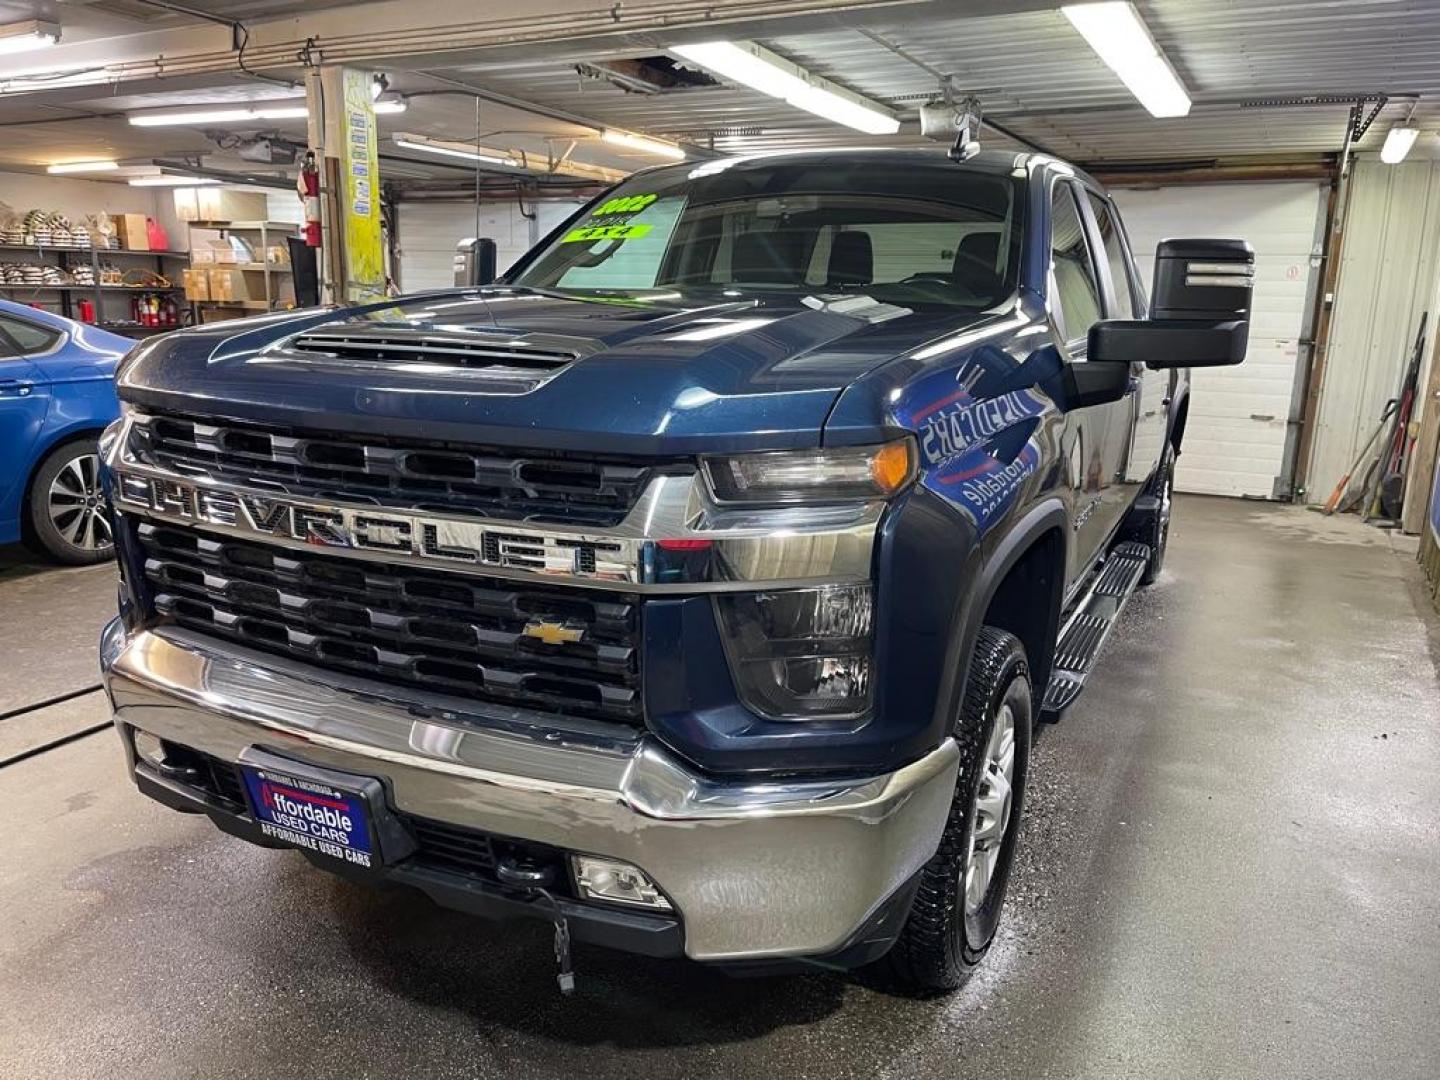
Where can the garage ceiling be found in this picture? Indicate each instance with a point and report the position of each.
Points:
(1244, 63)
(1034, 74)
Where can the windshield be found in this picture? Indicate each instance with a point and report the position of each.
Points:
(903, 235)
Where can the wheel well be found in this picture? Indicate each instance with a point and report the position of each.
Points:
(1177, 426)
(1027, 601)
(51, 450)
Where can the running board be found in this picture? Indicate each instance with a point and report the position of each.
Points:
(1093, 619)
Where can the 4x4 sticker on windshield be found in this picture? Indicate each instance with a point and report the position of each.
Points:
(603, 226)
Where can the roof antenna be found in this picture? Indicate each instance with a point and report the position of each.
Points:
(953, 117)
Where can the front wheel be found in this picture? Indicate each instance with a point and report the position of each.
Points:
(67, 507)
(956, 909)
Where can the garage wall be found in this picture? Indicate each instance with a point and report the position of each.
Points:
(1235, 435)
(77, 198)
(1389, 261)
(430, 231)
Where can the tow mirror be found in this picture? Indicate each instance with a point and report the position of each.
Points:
(475, 262)
(1199, 311)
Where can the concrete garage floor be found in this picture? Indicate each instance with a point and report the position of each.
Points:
(1231, 868)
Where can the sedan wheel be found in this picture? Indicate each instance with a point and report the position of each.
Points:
(67, 506)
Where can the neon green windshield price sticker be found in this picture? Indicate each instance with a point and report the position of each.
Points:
(624, 206)
(605, 232)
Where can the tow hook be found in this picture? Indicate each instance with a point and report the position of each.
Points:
(532, 879)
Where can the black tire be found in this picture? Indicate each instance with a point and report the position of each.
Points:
(66, 516)
(943, 941)
(1157, 535)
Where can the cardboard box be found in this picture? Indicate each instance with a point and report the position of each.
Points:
(187, 206)
(233, 285)
(132, 231)
(217, 204)
(218, 251)
(197, 284)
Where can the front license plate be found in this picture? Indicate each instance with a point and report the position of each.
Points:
(311, 814)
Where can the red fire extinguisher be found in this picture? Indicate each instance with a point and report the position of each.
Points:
(308, 186)
(87, 311)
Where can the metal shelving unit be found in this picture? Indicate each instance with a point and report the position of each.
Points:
(269, 232)
(64, 257)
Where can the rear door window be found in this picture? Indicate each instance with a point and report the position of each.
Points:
(1106, 222)
(1075, 285)
(21, 338)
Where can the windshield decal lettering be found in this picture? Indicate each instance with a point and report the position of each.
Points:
(602, 226)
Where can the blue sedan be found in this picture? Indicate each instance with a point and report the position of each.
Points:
(57, 392)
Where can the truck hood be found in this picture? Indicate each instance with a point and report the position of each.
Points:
(659, 373)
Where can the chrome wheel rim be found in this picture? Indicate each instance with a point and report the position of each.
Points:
(990, 818)
(77, 505)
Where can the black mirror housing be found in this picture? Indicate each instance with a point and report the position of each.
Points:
(1169, 343)
(1199, 309)
(1209, 281)
(475, 262)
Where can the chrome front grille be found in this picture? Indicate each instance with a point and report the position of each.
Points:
(489, 482)
(565, 651)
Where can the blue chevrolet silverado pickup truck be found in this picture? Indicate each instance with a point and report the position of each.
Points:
(696, 586)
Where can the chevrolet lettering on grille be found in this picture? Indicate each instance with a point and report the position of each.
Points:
(418, 537)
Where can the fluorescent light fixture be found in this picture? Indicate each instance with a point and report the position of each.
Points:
(457, 150)
(219, 116)
(1119, 37)
(244, 114)
(752, 65)
(1397, 144)
(659, 147)
(171, 181)
(27, 36)
(82, 166)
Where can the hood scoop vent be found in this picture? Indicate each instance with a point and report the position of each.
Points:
(507, 363)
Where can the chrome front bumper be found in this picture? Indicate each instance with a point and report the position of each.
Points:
(771, 869)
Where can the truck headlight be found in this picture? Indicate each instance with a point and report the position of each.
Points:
(832, 474)
(800, 654)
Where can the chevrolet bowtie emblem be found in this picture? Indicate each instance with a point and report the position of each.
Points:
(553, 633)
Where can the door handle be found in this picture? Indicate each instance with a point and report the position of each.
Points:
(15, 388)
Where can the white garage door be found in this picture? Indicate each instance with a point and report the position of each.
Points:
(1235, 436)
(430, 231)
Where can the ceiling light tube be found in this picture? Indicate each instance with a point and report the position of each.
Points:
(243, 115)
(430, 146)
(1120, 38)
(171, 181)
(28, 36)
(219, 116)
(658, 147)
(752, 65)
(1397, 144)
(82, 166)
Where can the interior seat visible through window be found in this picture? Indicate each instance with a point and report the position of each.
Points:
(770, 258)
(975, 260)
(852, 260)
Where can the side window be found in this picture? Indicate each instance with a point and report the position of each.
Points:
(1077, 292)
(20, 338)
(1114, 255)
